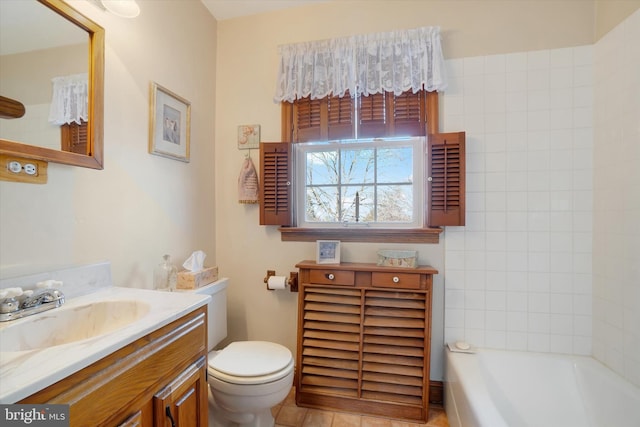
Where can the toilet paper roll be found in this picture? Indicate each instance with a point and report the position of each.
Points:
(277, 282)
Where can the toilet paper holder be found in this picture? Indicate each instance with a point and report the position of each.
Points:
(292, 281)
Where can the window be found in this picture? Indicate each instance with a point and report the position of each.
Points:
(360, 183)
(343, 146)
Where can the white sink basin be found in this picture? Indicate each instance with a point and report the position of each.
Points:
(39, 350)
(65, 325)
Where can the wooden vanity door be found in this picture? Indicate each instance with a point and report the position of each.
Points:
(183, 403)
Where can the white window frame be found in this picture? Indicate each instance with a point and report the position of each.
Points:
(300, 174)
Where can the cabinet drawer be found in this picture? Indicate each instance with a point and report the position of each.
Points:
(395, 280)
(332, 277)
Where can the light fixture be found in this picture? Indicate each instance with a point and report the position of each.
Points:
(123, 8)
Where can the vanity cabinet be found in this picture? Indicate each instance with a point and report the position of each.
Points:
(158, 380)
(364, 336)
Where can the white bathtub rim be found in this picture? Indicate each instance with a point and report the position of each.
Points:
(479, 400)
(478, 397)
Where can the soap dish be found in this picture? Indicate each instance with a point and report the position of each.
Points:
(461, 347)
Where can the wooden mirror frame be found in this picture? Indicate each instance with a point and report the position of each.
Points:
(95, 130)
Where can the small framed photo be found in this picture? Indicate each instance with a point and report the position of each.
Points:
(248, 137)
(169, 124)
(328, 251)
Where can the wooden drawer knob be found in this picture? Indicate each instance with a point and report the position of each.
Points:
(396, 279)
(330, 276)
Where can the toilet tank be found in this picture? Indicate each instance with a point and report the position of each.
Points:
(216, 311)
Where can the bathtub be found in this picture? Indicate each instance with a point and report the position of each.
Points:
(495, 388)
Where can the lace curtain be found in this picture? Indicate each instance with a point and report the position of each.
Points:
(363, 64)
(70, 99)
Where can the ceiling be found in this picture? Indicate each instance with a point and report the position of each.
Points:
(227, 9)
(18, 15)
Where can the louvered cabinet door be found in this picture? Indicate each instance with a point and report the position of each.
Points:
(394, 342)
(330, 341)
(364, 339)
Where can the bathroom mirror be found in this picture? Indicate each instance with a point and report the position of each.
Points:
(31, 49)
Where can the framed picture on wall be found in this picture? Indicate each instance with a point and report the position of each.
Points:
(169, 124)
(248, 137)
(328, 251)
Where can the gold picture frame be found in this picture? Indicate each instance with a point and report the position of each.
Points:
(169, 124)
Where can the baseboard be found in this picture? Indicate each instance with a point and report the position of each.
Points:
(436, 392)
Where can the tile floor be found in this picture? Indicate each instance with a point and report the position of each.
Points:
(287, 414)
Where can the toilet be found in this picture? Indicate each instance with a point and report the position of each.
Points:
(246, 378)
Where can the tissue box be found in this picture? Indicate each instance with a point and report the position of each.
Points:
(196, 279)
(391, 258)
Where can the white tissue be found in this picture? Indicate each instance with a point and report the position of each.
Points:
(195, 262)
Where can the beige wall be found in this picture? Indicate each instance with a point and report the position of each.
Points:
(140, 206)
(247, 65)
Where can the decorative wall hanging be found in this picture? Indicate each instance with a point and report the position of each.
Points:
(169, 124)
(248, 186)
(248, 137)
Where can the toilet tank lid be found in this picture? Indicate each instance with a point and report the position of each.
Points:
(251, 358)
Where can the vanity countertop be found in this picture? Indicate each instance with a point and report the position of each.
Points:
(23, 373)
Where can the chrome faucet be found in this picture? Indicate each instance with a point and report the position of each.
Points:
(28, 303)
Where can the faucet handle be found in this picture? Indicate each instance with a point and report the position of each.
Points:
(11, 292)
(48, 284)
(9, 305)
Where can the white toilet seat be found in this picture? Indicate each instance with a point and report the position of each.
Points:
(250, 362)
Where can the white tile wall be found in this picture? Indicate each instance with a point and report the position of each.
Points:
(518, 275)
(616, 197)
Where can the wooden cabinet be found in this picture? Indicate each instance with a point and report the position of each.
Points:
(364, 339)
(135, 385)
(180, 403)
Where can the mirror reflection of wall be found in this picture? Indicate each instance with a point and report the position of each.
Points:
(29, 60)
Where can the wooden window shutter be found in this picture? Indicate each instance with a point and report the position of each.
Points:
(379, 115)
(275, 179)
(324, 119)
(307, 119)
(340, 114)
(372, 116)
(409, 114)
(74, 138)
(446, 182)
(392, 115)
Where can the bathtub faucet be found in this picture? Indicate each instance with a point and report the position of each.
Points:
(31, 302)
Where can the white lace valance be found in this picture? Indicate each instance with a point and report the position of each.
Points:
(69, 103)
(364, 64)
